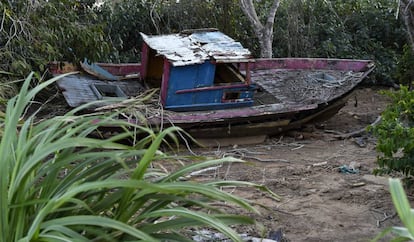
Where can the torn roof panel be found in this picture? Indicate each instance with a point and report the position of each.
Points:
(210, 37)
(197, 47)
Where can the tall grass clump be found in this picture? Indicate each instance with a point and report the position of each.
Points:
(57, 183)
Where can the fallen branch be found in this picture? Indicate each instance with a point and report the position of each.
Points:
(386, 217)
(266, 160)
(299, 147)
(358, 132)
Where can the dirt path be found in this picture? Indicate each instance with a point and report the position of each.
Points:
(319, 203)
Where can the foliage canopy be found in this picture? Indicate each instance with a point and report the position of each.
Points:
(33, 33)
(363, 29)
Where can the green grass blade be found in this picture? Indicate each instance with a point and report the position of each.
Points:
(208, 191)
(63, 230)
(54, 203)
(199, 217)
(402, 233)
(402, 205)
(43, 151)
(141, 169)
(184, 222)
(8, 146)
(99, 222)
(151, 151)
(15, 108)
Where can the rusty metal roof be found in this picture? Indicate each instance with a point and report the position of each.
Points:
(196, 47)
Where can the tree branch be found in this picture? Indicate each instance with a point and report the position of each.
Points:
(406, 11)
(250, 11)
(272, 14)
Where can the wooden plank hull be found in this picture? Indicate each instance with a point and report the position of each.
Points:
(270, 126)
(291, 93)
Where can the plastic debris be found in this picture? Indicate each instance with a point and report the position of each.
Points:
(209, 236)
(348, 169)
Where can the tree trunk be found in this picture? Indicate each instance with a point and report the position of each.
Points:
(264, 32)
(407, 13)
(266, 43)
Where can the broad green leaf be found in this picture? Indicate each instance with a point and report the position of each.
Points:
(200, 217)
(97, 221)
(402, 206)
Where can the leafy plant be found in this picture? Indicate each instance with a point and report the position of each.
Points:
(33, 33)
(404, 211)
(395, 134)
(59, 184)
(405, 72)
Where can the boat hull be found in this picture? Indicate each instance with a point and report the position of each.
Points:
(290, 107)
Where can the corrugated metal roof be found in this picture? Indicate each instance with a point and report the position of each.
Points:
(197, 47)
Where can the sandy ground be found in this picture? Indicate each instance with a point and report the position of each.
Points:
(319, 203)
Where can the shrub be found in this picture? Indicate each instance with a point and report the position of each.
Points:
(405, 72)
(33, 33)
(395, 134)
(59, 184)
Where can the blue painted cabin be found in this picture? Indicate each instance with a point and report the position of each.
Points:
(197, 70)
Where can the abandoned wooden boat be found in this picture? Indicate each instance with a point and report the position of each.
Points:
(210, 86)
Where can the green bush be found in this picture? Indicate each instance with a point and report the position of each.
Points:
(405, 70)
(395, 134)
(59, 184)
(363, 29)
(34, 33)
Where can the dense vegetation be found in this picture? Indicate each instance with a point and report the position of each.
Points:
(32, 33)
(363, 29)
